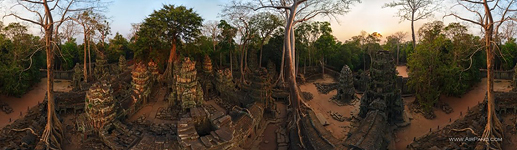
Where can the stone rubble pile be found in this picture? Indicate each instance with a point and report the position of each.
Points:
(307, 96)
(5, 107)
(164, 114)
(338, 117)
(325, 88)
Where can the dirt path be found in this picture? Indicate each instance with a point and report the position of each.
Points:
(149, 110)
(269, 134)
(420, 125)
(402, 70)
(321, 103)
(29, 99)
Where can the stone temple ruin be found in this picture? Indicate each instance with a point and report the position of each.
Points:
(99, 105)
(140, 84)
(380, 106)
(382, 87)
(207, 76)
(186, 90)
(101, 67)
(122, 64)
(260, 89)
(77, 77)
(153, 68)
(345, 90)
(224, 83)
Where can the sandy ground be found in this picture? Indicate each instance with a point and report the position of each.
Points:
(402, 70)
(321, 103)
(30, 99)
(420, 125)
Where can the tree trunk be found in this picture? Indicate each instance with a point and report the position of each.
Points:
(291, 70)
(89, 58)
(52, 135)
(413, 30)
(85, 59)
(398, 51)
(241, 67)
(168, 74)
(282, 64)
(231, 63)
(261, 48)
(493, 127)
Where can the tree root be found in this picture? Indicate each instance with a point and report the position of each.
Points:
(53, 135)
(492, 131)
(25, 129)
(465, 129)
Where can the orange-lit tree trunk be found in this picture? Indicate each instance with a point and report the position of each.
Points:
(493, 128)
(85, 71)
(52, 135)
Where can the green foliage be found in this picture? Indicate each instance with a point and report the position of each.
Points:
(70, 56)
(118, 46)
(21, 60)
(273, 49)
(508, 56)
(163, 29)
(446, 62)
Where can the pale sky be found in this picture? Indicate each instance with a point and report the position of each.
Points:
(368, 16)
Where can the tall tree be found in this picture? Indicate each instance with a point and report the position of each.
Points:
(297, 11)
(265, 23)
(211, 30)
(45, 11)
(227, 34)
(414, 10)
(104, 30)
(489, 15)
(396, 39)
(173, 24)
(240, 19)
(87, 19)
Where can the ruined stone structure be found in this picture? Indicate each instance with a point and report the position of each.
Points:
(140, 84)
(208, 75)
(259, 90)
(515, 79)
(101, 68)
(346, 90)
(186, 90)
(122, 64)
(224, 82)
(382, 86)
(153, 68)
(100, 105)
(77, 77)
(229, 131)
(361, 81)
